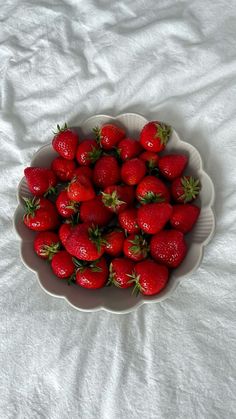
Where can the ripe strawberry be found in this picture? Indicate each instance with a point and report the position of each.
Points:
(63, 168)
(120, 271)
(92, 276)
(128, 220)
(184, 217)
(85, 242)
(64, 232)
(118, 197)
(128, 148)
(65, 206)
(65, 142)
(114, 242)
(106, 172)
(132, 171)
(83, 170)
(168, 247)
(95, 212)
(153, 217)
(151, 159)
(88, 152)
(40, 181)
(80, 189)
(185, 189)
(154, 136)
(172, 165)
(62, 264)
(46, 244)
(41, 214)
(109, 135)
(135, 247)
(149, 277)
(151, 189)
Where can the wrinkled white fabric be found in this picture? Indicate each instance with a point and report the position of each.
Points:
(67, 60)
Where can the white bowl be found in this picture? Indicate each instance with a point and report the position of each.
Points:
(111, 298)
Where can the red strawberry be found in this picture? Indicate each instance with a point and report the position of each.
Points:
(132, 171)
(41, 214)
(135, 247)
(40, 181)
(120, 271)
(185, 189)
(106, 172)
(118, 197)
(65, 206)
(128, 220)
(88, 152)
(114, 242)
(93, 276)
(85, 242)
(62, 264)
(95, 212)
(151, 189)
(172, 165)
(184, 217)
(128, 148)
(149, 277)
(151, 159)
(153, 217)
(154, 136)
(109, 135)
(80, 189)
(65, 142)
(63, 168)
(168, 247)
(64, 232)
(83, 170)
(46, 244)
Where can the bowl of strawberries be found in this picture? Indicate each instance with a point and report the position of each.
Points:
(115, 213)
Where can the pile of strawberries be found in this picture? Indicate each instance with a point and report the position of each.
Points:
(111, 210)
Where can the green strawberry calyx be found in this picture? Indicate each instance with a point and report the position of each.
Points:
(111, 200)
(135, 281)
(94, 154)
(112, 277)
(191, 188)
(95, 235)
(80, 265)
(163, 132)
(31, 205)
(49, 251)
(151, 197)
(139, 246)
(61, 128)
(98, 134)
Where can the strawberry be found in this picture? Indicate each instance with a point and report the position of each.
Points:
(64, 231)
(40, 181)
(88, 152)
(41, 214)
(65, 206)
(135, 247)
(80, 189)
(128, 148)
(63, 168)
(154, 136)
(153, 217)
(149, 277)
(114, 242)
(151, 189)
(62, 264)
(92, 276)
(168, 247)
(85, 242)
(83, 170)
(95, 212)
(109, 135)
(106, 172)
(172, 166)
(65, 142)
(128, 220)
(120, 271)
(132, 171)
(184, 217)
(118, 197)
(46, 244)
(185, 189)
(151, 159)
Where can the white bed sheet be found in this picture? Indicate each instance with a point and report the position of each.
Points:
(171, 60)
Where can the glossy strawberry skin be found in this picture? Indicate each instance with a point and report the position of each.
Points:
(151, 159)
(153, 185)
(93, 278)
(62, 264)
(128, 220)
(80, 189)
(63, 168)
(184, 217)
(39, 180)
(106, 172)
(128, 148)
(178, 190)
(154, 136)
(64, 232)
(44, 241)
(120, 269)
(132, 171)
(135, 247)
(152, 277)
(172, 166)
(95, 212)
(87, 152)
(65, 143)
(168, 247)
(153, 217)
(110, 135)
(114, 242)
(65, 206)
(123, 193)
(44, 218)
(80, 245)
(83, 170)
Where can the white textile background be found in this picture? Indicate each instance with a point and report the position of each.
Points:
(172, 60)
